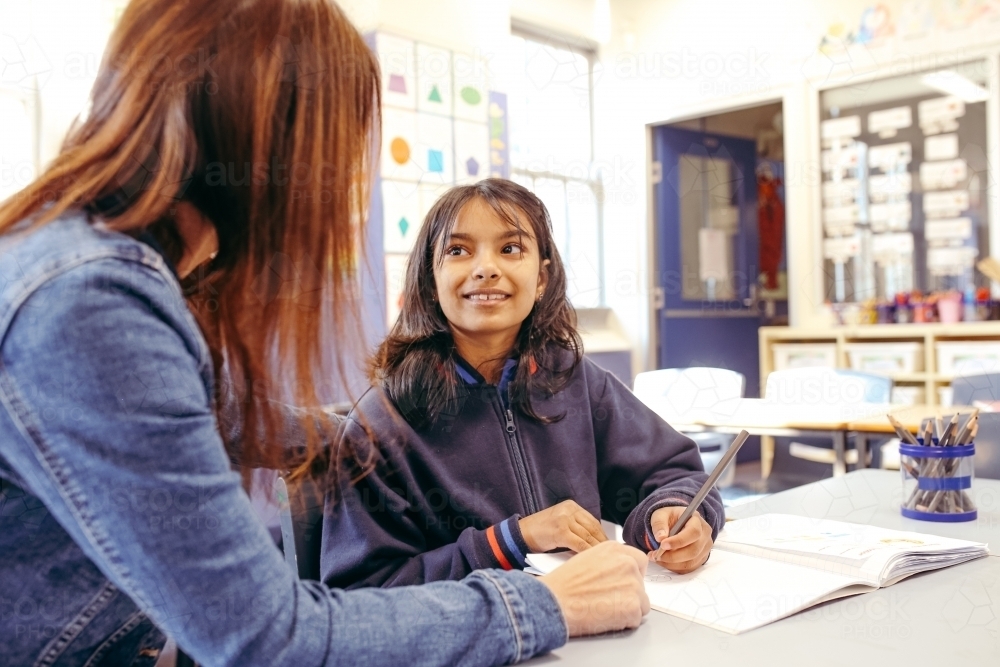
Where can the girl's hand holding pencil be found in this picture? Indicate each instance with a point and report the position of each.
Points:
(687, 550)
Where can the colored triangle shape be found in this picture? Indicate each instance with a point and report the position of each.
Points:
(435, 95)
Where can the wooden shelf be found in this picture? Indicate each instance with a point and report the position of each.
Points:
(927, 334)
(911, 377)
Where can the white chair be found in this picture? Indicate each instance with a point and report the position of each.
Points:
(825, 386)
(684, 390)
(820, 384)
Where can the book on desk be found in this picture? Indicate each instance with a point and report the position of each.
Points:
(767, 567)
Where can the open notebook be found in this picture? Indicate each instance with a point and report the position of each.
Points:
(768, 567)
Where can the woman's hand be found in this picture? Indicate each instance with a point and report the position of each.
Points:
(601, 590)
(687, 550)
(566, 525)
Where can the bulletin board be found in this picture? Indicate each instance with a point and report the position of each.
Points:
(904, 185)
(442, 125)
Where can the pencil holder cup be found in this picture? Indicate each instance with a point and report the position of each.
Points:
(937, 481)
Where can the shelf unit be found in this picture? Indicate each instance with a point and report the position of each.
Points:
(928, 334)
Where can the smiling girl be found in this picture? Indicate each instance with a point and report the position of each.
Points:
(487, 435)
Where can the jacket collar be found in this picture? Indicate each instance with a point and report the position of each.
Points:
(470, 375)
(150, 240)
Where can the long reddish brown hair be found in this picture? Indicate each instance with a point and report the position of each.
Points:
(264, 115)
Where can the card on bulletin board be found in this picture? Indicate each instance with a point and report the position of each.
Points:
(401, 215)
(434, 153)
(434, 90)
(472, 151)
(396, 57)
(400, 159)
(471, 92)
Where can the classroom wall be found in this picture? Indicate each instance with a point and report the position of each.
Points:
(667, 61)
(661, 62)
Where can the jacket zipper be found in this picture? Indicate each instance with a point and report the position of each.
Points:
(518, 454)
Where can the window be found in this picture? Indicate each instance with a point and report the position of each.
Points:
(550, 103)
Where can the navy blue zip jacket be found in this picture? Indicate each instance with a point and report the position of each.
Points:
(441, 501)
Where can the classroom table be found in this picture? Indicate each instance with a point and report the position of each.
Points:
(947, 617)
(765, 417)
(835, 421)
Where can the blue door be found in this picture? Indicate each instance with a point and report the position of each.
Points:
(707, 259)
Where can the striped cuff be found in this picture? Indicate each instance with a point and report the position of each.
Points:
(651, 542)
(506, 543)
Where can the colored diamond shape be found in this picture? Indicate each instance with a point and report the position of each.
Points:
(397, 84)
(472, 166)
(435, 95)
(435, 161)
(404, 225)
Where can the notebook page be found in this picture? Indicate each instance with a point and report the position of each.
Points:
(866, 552)
(732, 592)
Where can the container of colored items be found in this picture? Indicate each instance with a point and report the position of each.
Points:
(938, 470)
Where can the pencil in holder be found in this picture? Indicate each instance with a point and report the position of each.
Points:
(937, 481)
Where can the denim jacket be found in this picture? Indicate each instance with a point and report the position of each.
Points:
(121, 518)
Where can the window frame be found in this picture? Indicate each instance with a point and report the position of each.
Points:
(594, 181)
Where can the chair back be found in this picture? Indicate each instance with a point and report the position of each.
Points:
(827, 385)
(970, 388)
(694, 388)
(987, 459)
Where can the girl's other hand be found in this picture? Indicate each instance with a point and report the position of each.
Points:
(566, 525)
(687, 550)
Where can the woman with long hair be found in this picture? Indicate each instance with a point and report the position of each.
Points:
(202, 222)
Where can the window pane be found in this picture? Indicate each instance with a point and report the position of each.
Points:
(583, 256)
(553, 195)
(549, 105)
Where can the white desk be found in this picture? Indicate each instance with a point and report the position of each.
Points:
(948, 617)
(764, 417)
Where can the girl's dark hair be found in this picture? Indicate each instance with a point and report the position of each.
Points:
(415, 364)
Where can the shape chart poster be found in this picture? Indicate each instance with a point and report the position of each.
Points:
(441, 126)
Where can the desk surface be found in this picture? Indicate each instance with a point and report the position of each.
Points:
(909, 416)
(947, 617)
(758, 414)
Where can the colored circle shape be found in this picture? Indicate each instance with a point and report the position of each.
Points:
(400, 150)
(471, 96)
